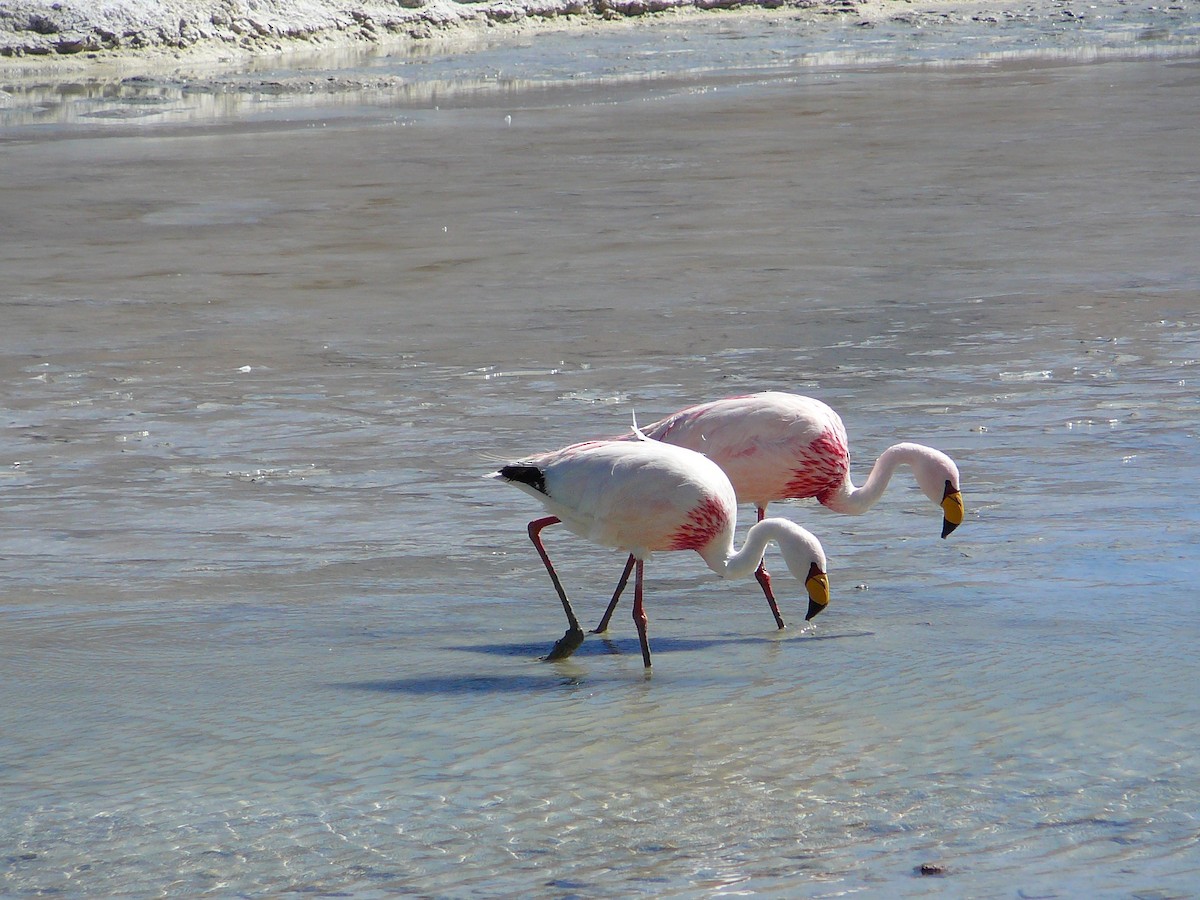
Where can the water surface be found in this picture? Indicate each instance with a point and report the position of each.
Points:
(266, 629)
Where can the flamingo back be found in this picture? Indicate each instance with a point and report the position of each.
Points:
(638, 496)
(773, 446)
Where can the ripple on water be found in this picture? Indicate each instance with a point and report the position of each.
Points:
(269, 631)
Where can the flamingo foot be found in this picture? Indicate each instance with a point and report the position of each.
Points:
(566, 645)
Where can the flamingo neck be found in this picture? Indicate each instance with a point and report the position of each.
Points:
(855, 501)
(797, 546)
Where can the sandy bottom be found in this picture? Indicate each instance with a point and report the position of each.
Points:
(267, 629)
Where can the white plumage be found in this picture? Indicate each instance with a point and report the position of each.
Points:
(645, 496)
(779, 446)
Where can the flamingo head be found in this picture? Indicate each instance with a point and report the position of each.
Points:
(817, 584)
(805, 558)
(938, 478)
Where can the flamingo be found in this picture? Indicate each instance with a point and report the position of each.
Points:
(644, 496)
(778, 446)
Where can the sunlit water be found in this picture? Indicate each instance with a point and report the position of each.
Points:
(266, 629)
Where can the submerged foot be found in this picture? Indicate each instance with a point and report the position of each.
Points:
(566, 645)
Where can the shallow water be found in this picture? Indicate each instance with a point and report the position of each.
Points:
(266, 629)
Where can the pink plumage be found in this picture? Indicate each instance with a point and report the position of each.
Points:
(639, 496)
(778, 446)
(645, 496)
(704, 523)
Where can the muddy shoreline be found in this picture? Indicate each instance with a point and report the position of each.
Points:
(40, 31)
(47, 41)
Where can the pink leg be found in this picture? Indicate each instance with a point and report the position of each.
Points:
(603, 626)
(764, 579)
(639, 614)
(570, 641)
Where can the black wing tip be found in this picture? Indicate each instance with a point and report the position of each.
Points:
(526, 474)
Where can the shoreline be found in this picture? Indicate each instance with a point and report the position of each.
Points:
(47, 41)
(557, 48)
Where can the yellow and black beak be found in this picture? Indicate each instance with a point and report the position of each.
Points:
(952, 507)
(817, 584)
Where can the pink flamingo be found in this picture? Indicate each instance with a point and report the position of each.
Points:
(644, 496)
(777, 446)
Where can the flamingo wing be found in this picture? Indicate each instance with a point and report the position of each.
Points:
(637, 496)
(772, 445)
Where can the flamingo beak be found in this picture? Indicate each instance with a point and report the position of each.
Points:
(952, 508)
(818, 591)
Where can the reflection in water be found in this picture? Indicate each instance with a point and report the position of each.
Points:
(150, 104)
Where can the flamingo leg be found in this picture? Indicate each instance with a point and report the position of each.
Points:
(639, 614)
(603, 626)
(569, 642)
(760, 574)
(764, 579)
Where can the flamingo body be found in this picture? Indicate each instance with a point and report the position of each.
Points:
(646, 496)
(639, 497)
(771, 446)
(778, 446)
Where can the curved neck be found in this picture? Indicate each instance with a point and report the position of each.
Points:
(856, 501)
(798, 547)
